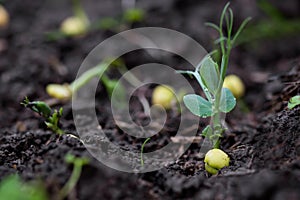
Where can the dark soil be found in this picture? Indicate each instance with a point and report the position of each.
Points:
(263, 144)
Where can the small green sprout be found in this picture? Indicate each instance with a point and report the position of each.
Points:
(215, 159)
(4, 17)
(52, 117)
(12, 188)
(294, 101)
(77, 163)
(163, 95)
(53, 121)
(211, 79)
(142, 151)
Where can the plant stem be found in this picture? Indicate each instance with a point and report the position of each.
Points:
(98, 70)
(68, 187)
(142, 151)
(79, 12)
(226, 46)
(216, 120)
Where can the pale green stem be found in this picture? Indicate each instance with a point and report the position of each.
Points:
(88, 75)
(68, 187)
(79, 12)
(142, 151)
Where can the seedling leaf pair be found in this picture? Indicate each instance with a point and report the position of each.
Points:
(203, 108)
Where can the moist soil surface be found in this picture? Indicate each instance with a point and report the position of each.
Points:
(262, 138)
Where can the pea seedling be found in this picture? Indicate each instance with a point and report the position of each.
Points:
(294, 101)
(77, 163)
(211, 79)
(52, 117)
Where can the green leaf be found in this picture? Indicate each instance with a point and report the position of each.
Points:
(210, 75)
(12, 188)
(214, 26)
(198, 105)
(294, 101)
(227, 101)
(40, 107)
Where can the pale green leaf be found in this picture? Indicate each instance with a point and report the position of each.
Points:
(294, 101)
(227, 102)
(210, 74)
(198, 105)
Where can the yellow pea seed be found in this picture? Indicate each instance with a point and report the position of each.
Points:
(163, 95)
(73, 26)
(61, 92)
(216, 159)
(211, 170)
(4, 17)
(235, 85)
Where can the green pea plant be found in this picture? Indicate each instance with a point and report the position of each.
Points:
(294, 101)
(210, 77)
(51, 117)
